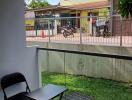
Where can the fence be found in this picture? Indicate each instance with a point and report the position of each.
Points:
(81, 30)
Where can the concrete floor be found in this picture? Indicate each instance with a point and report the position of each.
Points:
(76, 96)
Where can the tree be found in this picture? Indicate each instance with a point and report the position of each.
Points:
(125, 8)
(38, 3)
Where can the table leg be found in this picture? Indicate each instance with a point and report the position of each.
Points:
(61, 95)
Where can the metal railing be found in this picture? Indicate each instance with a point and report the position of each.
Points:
(81, 30)
(116, 56)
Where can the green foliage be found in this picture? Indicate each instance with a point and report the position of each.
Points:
(38, 3)
(125, 8)
(99, 89)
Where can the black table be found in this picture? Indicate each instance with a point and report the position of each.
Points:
(48, 92)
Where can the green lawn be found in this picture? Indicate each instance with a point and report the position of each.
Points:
(99, 89)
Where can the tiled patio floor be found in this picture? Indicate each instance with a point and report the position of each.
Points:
(77, 96)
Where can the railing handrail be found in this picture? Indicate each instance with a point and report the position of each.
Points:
(124, 57)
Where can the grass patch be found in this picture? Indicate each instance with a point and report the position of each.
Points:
(100, 89)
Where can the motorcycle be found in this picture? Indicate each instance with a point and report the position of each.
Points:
(67, 31)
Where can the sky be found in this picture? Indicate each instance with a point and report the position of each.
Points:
(52, 2)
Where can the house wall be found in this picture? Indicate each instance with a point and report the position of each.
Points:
(121, 26)
(92, 66)
(104, 12)
(115, 4)
(29, 20)
(84, 23)
(14, 55)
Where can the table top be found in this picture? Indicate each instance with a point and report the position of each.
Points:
(48, 92)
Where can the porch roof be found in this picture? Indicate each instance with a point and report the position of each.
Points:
(51, 8)
(91, 5)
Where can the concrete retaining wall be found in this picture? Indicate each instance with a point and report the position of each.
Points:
(100, 67)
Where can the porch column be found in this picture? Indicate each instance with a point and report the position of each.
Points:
(14, 55)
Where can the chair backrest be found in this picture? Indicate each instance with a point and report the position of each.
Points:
(12, 79)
